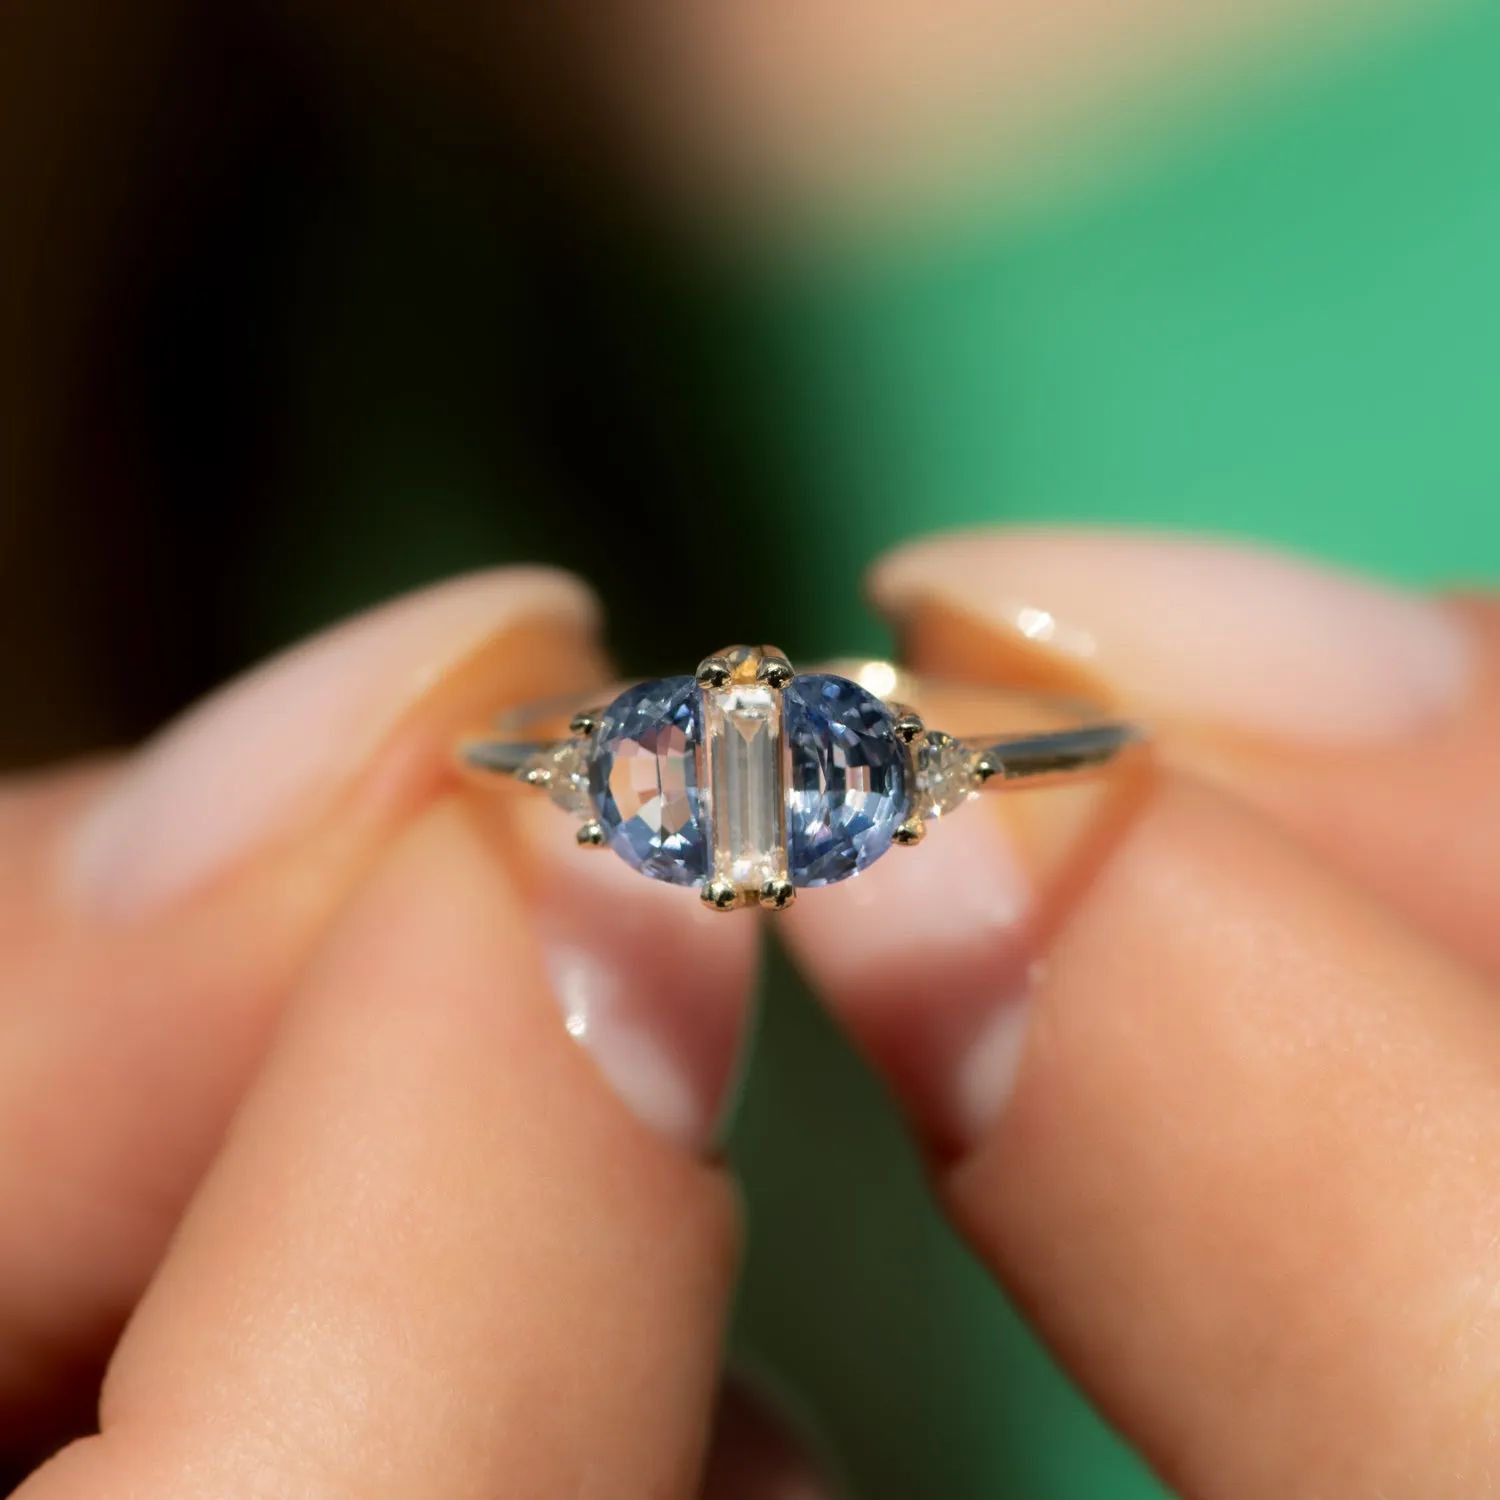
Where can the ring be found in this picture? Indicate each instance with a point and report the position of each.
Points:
(752, 781)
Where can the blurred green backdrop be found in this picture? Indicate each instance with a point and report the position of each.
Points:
(361, 357)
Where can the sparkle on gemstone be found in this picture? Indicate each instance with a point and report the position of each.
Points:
(743, 727)
(567, 774)
(847, 779)
(643, 779)
(944, 773)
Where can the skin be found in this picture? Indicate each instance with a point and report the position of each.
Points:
(375, 1224)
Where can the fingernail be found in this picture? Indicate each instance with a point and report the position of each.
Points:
(270, 750)
(656, 989)
(929, 955)
(1184, 628)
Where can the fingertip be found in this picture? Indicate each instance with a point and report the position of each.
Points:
(930, 957)
(272, 750)
(427, 1194)
(652, 985)
(1200, 629)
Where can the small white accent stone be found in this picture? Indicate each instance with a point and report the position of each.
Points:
(945, 774)
(567, 776)
(743, 734)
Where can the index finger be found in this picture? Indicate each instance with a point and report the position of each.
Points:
(437, 1256)
(1219, 1116)
(154, 914)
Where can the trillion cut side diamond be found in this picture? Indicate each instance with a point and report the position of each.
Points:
(743, 727)
(567, 776)
(945, 774)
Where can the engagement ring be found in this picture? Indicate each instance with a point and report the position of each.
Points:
(751, 781)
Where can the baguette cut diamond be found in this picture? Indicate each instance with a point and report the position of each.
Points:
(743, 730)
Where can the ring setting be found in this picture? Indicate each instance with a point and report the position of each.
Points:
(751, 781)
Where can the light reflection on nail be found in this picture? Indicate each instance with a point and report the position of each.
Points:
(594, 1004)
(582, 986)
(1044, 627)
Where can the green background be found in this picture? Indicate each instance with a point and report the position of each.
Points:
(1269, 308)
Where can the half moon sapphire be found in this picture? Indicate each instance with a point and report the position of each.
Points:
(847, 779)
(643, 779)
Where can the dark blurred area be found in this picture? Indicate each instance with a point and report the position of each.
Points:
(296, 313)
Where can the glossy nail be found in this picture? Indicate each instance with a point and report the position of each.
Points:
(927, 957)
(654, 987)
(271, 749)
(1226, 635)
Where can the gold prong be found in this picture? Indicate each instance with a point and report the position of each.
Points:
(591, 835)
(714, 672)
(536, 776)
(908, 727)
(773, 669)
(721, 895)
(778, 894)
(985, 769)
(585, 722)
(910, 832)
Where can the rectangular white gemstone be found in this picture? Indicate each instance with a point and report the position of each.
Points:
(743, 727)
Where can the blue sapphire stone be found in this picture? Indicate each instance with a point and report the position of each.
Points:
(643, 780)
(847, 779)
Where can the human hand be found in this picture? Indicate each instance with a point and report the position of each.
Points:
(1205, 1065)
(434, 1255)
(1209, 1066)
